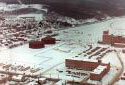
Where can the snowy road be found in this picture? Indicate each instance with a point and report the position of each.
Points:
(116, 78)
(122, 56)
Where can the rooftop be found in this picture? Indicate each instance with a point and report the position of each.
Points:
(83, 59)
(99, 69)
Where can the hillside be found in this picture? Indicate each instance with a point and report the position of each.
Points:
(80, 8)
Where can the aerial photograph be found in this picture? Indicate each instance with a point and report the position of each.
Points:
(62, 42)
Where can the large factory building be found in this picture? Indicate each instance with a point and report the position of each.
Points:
(41, 44)
(97, 68)
(49, 40)
(117, 41)
(100, 72)
(86, 64)
(36, 44)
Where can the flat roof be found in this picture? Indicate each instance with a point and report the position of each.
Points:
(83, 59)
(99, 69)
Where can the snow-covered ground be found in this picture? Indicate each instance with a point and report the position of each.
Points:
(122, 82)
(109, 57)
(73, 42)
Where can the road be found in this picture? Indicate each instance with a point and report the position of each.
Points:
(117, 76)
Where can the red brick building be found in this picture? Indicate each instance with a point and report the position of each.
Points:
(99, 72)
(36, 44)
(106, 37)
(87, 64)
(49, 40)
(99, 69)
(117, 41)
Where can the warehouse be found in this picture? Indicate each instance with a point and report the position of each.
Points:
(36, 44)
(99, 72)
(86, 64)
(114, 40)
(99, 69)
(49, 40)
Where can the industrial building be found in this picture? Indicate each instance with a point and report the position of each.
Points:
(100, 72)
(36, 44)
(49, 40)
(114, 40)
(97, 68)
(86, 64)
(41, 44)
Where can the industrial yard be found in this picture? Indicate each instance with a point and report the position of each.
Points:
(51, 49)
